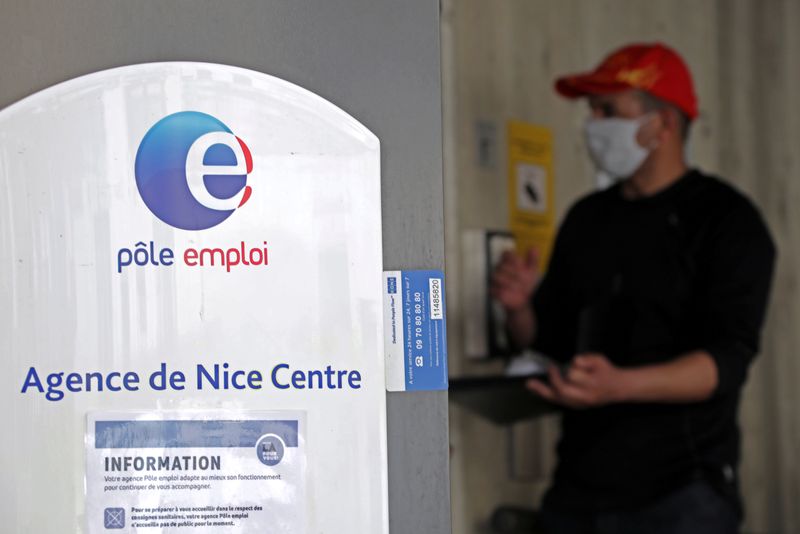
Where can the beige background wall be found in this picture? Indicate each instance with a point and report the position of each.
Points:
(499, 60)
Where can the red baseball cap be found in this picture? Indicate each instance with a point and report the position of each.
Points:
(654, 68)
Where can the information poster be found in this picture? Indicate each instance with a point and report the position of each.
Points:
(189, 472)
(190, 308)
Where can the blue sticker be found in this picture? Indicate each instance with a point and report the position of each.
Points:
(425, 331)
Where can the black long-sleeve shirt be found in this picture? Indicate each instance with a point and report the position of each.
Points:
(643, 281)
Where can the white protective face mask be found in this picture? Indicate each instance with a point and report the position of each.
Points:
(613, 147)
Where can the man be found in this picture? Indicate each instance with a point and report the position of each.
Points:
(652, 305)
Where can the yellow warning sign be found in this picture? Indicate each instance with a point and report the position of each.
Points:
(530, 187)
(530, 173)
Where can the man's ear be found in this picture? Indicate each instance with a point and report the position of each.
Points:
(654, 131)
(672, 121)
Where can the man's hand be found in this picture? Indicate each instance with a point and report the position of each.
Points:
(514, 279)
(591, 381)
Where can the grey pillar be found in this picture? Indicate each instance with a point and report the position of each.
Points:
(376, 59)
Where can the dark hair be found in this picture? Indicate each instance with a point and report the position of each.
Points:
(653, 103)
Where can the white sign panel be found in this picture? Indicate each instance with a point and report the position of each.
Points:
(185, 249)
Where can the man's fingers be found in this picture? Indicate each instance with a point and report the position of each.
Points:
(504, 280)
(507, 255)
(589, 361)
(579, 376)
(503, 294)
(512, 269)
(568, 393)
(559, 391)
(507, 270)
(541, 389)
(555, 377)
(532, 258)
(510, 257)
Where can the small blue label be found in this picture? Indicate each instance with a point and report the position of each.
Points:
(391, 285)
(114, 518)
(425, 330)
(269, 450)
